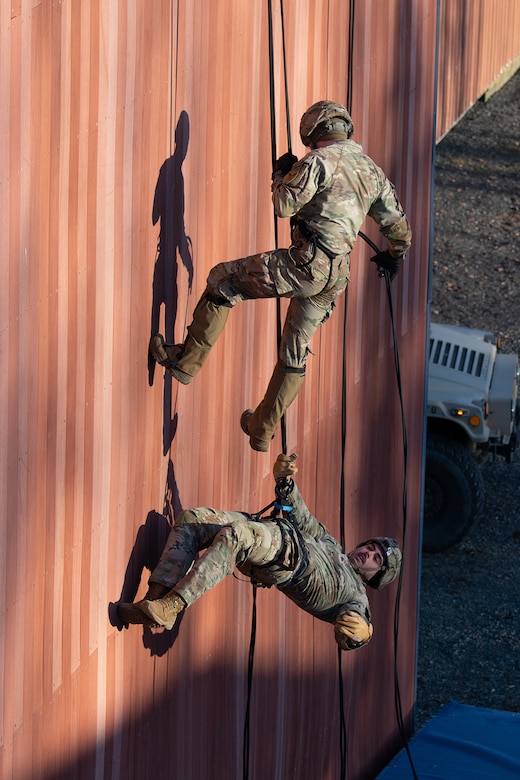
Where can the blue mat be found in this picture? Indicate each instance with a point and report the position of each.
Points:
(462, 743)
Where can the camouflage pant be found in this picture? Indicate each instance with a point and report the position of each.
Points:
(228, 538)
(303, 273)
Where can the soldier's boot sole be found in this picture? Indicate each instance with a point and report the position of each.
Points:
(131, 614)
(260, 445)
(164, 611)
(168, 355)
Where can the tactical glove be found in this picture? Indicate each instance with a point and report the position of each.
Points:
(284, 163)
(352, 631)
(285, 467)
(388, 263)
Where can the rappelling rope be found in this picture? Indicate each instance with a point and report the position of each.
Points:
(245, 751)
(398, 706)
(286, 87)
(272, 99)
(343, 742)
(397, 692)
(272, 106)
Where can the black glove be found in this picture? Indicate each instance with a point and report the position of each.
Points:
(284, 163)
(385, 261)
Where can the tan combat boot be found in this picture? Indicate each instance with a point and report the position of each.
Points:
(130, 613)
(164, 611)
(184, 361)
(260, 424)
(209, 319)
(167, 355)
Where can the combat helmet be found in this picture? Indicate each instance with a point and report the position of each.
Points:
(324, 121)
(392, 565)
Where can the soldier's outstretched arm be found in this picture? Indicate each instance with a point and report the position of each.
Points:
(289, 495)
(352, 630)
(387, 211)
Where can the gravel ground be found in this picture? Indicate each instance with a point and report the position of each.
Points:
(469, 631)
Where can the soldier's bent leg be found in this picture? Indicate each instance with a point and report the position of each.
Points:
(131, 612)
(209, 318)
(184, 361)
(260, 424)
(230, 546)
(194, 530)
(242, 540)
(303, 318)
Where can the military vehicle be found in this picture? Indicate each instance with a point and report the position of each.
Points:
(473, 412)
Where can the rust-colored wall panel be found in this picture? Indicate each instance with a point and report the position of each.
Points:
(135, 154)
(478, 39)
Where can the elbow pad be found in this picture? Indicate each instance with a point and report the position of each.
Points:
(399, 236)
(352, 631)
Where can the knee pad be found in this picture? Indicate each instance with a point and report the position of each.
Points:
(186, 517)
(293, 370)
(218, 300)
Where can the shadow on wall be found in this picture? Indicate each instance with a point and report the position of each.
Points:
(193, 731)
(168, 210)
(148, 546)
(192, 726)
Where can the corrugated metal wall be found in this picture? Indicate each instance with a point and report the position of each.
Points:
(478, 39)
(135, 154)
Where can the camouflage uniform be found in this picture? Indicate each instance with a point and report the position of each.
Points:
(328, 195)
(294, 553)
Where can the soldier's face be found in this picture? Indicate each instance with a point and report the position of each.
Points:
(367, 560)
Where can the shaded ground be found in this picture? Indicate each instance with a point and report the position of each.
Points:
(469, 637)
(476, 266)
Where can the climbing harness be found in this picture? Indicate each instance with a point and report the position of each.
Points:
(292, 537)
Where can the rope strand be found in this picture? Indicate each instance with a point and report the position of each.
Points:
(397, 608)
(272, 109)
(286, 87)
(247, 720)
(272, 106)
(343, 742)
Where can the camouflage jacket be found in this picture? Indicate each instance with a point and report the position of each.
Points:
(313, 571)
(332, 190)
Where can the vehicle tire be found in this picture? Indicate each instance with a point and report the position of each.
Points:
(453, 493)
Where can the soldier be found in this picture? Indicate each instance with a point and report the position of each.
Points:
(327, 195)
(295, 553)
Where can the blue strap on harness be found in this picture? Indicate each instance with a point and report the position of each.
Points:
(283, 507)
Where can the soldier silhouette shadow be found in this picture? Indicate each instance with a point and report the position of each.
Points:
(148, 546)
(173, 243)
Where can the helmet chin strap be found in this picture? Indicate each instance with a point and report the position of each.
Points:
(363, 572)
